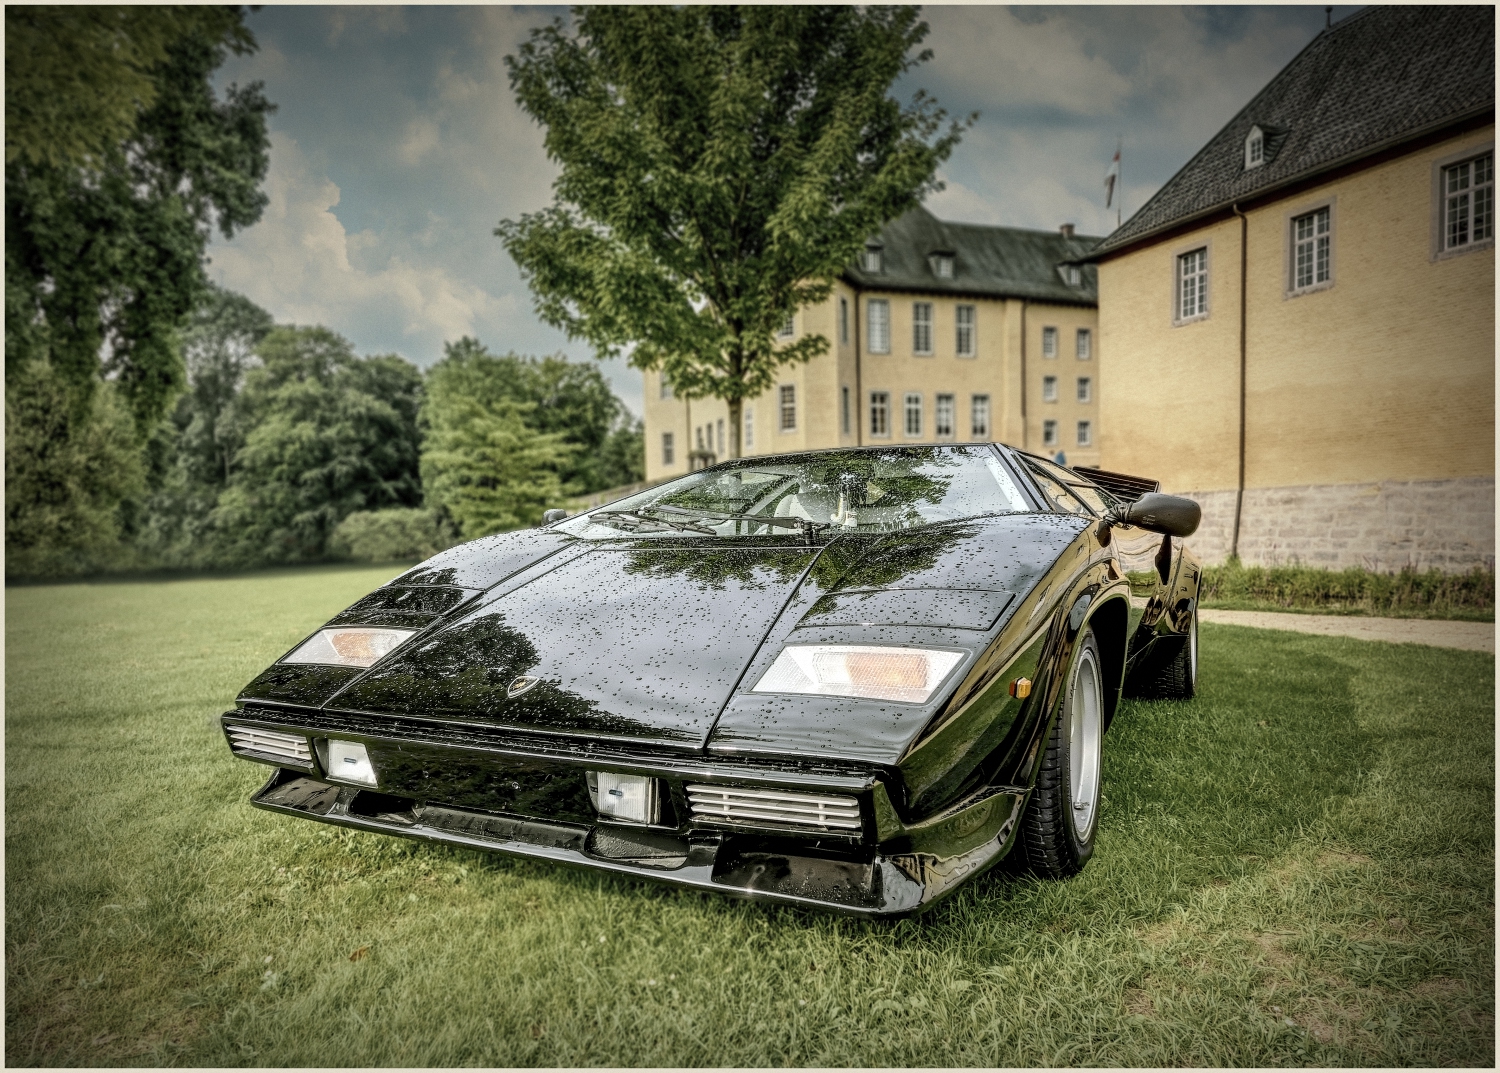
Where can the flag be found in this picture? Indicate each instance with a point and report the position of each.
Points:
(1110, 178)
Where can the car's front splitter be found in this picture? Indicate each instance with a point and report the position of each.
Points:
(873, 885)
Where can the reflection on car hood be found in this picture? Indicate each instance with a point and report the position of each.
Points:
(647, 641)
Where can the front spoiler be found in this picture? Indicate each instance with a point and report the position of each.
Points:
(875, 886)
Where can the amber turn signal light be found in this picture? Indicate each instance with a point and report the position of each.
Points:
(1020, 687)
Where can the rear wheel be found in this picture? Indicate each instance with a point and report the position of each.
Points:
(1057, 831)
(1178, 680)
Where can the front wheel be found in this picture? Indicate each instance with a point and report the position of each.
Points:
(1057, 831)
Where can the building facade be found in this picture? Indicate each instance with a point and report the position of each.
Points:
(940, 333)
(1301, 322)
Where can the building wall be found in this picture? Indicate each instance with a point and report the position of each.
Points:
(995, 371)
(1372, 396)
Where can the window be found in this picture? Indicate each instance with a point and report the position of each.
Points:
(721, 435)
(749, 427)
(1085, 434)
(1312, 242)
(979, 417)
(1084, 347)
(1049, 389)
(963, 343)
(1049, 342)
(1072, 275)
(1049, 433)
(668, 456)
(1063, 488)
(666, 387)
(1255, 148)
(788, 328)
(921, 327)
(1469, 202)
(942, 417)
(788, 394)
(913, 409)
(871, 260)
(698, 432)
(1085, 389)
(942, 265)
(845, 401)
(843, 320)
(880, 325)
(1192, 284)
(880, 413)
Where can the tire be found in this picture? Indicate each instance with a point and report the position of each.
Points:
(1178, 680)
(1057, 832)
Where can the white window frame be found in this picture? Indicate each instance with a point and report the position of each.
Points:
(1049, 389)
(789, 328)
(668, 449)
(878, 316)
(1049, 433)
(1255, 148)
(1083, 344)
(1203, 309)
(880, 415)
(921, 328)
(872, 259)
(943, 408)
(942, 265)
(911, 415)
(981, 419)
(965, 330)
(1290, 223)
(1440, 248)
(1049, 341)
(666, 386)
(1085, 389)
(786, 403)
(1085, 433)
(749, 437)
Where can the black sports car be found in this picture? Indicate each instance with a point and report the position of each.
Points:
(850, 679)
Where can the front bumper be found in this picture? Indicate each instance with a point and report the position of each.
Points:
(890, 870)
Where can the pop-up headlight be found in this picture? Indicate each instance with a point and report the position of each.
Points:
(348, 646)
(873, 671)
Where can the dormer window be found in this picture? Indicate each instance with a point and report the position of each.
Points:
(1072, 275)
(1255, 148)
(871, 259)
(942, 265)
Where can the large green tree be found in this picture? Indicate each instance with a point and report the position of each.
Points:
(120, 162)
(719, 166)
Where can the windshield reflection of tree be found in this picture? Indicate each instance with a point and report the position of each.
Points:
(865, 490)
(881, 562)
(752, 568)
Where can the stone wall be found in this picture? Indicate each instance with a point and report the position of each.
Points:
(1384, 526)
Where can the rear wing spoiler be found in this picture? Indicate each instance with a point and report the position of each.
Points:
(1120, 484)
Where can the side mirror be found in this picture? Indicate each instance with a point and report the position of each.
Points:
(1160, 513)
(557, 514)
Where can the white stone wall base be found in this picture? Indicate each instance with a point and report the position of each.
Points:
(1446, 524)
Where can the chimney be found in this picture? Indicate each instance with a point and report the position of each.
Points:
(1067, 230)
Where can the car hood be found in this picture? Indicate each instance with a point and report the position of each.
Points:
(649, 642)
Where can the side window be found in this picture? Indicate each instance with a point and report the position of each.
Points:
(1063, 486)
(1058, 493)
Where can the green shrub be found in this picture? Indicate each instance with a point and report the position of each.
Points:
(400, 533)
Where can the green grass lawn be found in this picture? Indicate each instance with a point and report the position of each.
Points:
(1295, 868)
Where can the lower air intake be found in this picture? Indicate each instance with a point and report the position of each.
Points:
(271, 745)
(759, 808)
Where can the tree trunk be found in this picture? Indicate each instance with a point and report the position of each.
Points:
(736, 425)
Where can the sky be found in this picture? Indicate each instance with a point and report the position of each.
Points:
(397, 147)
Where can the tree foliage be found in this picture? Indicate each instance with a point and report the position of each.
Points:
(719, 166)
(120, 161)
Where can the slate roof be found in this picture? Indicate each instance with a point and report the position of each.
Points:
(989, 262)
(1378, 78)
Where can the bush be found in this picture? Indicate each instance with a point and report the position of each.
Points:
(400, 533)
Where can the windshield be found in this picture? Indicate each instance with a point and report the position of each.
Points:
(794, 495)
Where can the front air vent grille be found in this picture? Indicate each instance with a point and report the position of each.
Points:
(760, 808)
(291, 749)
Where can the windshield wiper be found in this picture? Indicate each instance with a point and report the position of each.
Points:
(809, 528)
(639, 519)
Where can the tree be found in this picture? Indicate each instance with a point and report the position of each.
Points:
(484, 460)
(719, 167)
(120, 161)
(326, 434)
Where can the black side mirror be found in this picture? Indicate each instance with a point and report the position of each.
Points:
(557, 514)
(1160, 513)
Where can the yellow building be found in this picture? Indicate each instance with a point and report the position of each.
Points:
(942, 332)
(1301, 323)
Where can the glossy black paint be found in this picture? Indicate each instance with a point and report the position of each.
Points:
(647, 651)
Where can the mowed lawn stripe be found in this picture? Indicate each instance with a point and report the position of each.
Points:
(1295, 867)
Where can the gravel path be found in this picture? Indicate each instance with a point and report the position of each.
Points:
(1475, 636)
